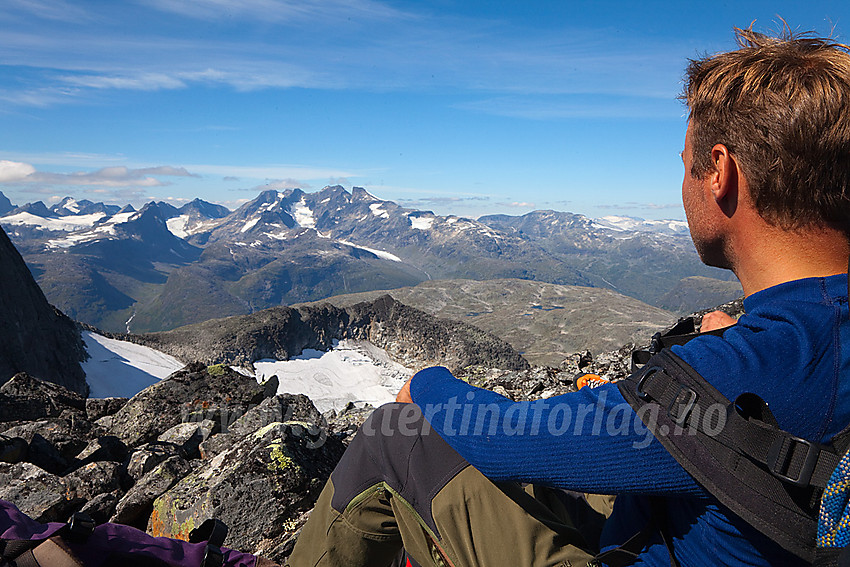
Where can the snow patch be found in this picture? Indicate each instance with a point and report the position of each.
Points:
(351, 371)
(378, 211)
(250, 224)
(303, 214)
(121, 369)
(379, 253)
(421, 223)
(634, 224)
(177, 226)
(65, 224)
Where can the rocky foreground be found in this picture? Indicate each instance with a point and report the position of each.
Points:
(205, 442)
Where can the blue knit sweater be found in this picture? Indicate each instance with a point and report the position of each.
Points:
(787, 349)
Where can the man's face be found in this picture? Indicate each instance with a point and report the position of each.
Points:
(699, 206)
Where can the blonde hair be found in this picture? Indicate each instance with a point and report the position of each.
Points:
(781, 105)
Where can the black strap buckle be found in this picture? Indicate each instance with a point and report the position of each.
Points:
(682, 405)
(782, 454)
(642, 382)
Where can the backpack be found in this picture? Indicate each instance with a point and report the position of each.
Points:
(80, 543)
(795, 491)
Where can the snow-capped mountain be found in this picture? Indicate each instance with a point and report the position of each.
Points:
(164, 266)
(635, 224)
(69, 206)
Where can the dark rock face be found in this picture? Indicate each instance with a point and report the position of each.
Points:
(411, 336)
(35, 338)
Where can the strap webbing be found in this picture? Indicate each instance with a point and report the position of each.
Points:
(735, 451)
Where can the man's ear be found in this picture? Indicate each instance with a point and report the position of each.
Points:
(724, 178)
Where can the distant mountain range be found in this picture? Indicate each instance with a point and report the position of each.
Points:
(161, 267)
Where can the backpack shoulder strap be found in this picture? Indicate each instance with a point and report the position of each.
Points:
(735, 450)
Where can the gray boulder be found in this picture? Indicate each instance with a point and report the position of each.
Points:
(146, 458)
(91, 480)
(97, 408)
(192, 394)
(280, 408)
(25, 398)
(37, 493)
(105, 448)
(189, 436)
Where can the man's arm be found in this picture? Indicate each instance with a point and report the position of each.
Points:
(590, 440)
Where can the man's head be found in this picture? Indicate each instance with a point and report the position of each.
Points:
(782, 108)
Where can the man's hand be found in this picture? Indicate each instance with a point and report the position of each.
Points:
(716, 320)
(404, 394)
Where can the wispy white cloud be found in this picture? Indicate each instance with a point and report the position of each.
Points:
(276, 10)
(18, 173)
(272, 172)
(279, 185)
(517, 205)
(365, 45)
(58, 10)
(143, 82)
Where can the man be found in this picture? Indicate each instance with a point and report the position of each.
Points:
(767, 194)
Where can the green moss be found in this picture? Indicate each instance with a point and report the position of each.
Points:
(216, 369)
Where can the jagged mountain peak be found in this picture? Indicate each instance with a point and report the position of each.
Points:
(37, 208)
(204, 209)
(360, 194)
(167, 210)
(70, 206)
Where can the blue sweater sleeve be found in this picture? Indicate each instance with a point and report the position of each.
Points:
(589, 441)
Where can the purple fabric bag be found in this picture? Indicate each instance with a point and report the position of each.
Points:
(108, 540)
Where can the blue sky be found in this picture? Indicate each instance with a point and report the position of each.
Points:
(463, 107)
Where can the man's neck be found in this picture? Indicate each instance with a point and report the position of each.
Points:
(769, 256)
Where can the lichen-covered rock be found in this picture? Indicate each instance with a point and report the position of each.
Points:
(36, 492)
(280, 408)
(264, 480)
(135, 507)
(191, 394)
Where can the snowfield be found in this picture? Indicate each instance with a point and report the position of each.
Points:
(121, 369)
(353, 371)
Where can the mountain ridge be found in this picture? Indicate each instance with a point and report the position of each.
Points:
(286, 247)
